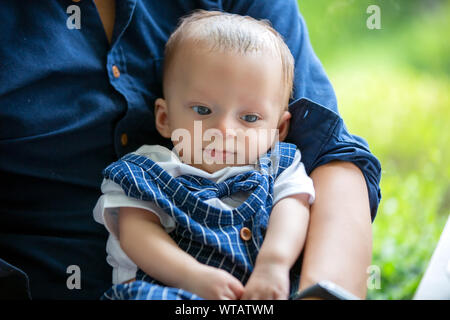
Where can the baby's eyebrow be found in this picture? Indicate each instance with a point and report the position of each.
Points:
(198, 102)
(256, 105)
(200, 92)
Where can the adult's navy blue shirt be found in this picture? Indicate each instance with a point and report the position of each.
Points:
(71, 103)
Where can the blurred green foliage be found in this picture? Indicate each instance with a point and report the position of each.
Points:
(393, 89)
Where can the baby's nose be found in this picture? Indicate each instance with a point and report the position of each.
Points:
(227, 127)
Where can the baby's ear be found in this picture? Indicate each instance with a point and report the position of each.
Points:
(283, 125)
(162, 118)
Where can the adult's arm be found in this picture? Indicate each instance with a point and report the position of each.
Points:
(346, 174)
(339, 241)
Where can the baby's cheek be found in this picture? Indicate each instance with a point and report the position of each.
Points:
(258, 144)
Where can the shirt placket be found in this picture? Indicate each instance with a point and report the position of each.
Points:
(117, 72)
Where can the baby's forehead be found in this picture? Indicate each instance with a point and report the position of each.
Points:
(199, 68)
(217, 32)
(202, 53)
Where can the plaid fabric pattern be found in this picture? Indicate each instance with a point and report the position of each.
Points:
(211, 235)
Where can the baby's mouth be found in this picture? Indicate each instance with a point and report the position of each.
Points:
(219, 154)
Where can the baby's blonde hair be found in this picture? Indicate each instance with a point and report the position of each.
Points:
(233, 33)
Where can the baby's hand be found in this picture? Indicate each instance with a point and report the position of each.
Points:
(267, 282)
(216, 284)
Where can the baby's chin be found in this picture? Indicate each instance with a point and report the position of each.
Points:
(211, 168)
(214, 161)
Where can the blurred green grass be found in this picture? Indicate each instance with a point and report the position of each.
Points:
(393, 89)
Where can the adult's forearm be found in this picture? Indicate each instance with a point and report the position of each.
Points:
(339, 241)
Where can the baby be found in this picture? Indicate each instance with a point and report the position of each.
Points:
(224, 214)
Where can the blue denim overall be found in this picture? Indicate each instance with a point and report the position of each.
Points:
(211, 235)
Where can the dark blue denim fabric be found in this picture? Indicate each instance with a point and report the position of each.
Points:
(14, 283)
(63, 113)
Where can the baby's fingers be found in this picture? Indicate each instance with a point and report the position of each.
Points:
(252, 295)
(236, 288)
(262, 292)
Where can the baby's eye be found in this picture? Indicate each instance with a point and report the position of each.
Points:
(250, 118)
(201, 110)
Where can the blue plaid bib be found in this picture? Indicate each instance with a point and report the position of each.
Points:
(211, 235)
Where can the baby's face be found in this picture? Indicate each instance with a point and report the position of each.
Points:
(222, 109)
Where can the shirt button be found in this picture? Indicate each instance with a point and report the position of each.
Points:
(115, 71)
(124, 139)
(246, 234)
